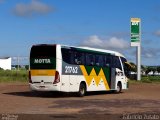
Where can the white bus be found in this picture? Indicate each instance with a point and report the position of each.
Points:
(55, 67)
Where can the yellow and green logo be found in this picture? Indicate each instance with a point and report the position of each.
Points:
(96, 73)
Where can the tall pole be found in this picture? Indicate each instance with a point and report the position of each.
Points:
(139, 62)
(139, 55)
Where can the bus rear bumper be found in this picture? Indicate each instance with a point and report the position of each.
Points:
(38, 87)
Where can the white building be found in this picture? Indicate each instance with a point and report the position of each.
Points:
(5, 63)
(155, 73)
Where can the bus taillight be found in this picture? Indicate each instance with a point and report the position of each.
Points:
(30, 81)
(57, 78)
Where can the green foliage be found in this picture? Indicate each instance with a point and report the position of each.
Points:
(158, 69)
(133, 68)
(13, 76)
(148, 79)
(153, 78)
(27, 67)
(152, 69)
(1, 68)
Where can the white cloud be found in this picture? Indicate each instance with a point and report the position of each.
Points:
(150, 52)
(93, 41)
(30, 9)
(148, 55)
(111, 43)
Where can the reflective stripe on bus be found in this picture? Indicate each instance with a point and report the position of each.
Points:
(43, 72)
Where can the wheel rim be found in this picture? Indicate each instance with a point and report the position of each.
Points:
(118, 88)
(82, 91)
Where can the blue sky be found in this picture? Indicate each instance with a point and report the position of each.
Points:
(95, 23)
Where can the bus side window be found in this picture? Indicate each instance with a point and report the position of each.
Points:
(79, 58)
(126, 69)
(90, 59)
(99, 60)
(116, 62)
(108, 61)
(72, 57)
(123, 62)
(66, 56)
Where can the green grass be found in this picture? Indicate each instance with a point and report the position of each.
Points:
(151, 79)
(22, 76)
(13, 76)
(147, 79)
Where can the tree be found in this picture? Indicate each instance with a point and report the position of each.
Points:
(143, 68)
(1, 68)
(149, 69)
(154, 69)
(26, 67)
(158, 69)
(134, 67)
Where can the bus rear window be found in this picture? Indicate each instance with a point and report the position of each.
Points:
(43, 57)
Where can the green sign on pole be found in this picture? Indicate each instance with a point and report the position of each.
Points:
(136, 41)
(135, 31)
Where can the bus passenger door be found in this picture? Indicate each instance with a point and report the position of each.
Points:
(113, 78)
(120, 76)
(117, 73)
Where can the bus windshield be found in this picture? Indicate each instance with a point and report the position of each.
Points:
(43, 57)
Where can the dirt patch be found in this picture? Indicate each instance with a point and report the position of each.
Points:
(109, 106)
(106, 103)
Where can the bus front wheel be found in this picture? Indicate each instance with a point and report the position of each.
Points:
(82, 90)
(119, 87)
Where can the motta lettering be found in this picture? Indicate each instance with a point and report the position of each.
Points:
(42, 61)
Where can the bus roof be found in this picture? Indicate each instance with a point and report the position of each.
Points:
(86, 48)
(98, 50)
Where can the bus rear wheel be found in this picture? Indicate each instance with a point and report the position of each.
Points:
(82, 90)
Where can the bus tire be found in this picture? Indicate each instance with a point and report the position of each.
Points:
(119, 88)
(82, 90)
